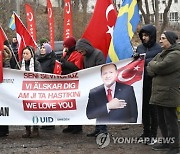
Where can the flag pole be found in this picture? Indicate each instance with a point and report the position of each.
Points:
(14, 56)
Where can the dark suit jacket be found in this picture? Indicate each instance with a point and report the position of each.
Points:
(96, 107)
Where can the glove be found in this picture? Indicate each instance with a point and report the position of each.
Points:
(136, 55)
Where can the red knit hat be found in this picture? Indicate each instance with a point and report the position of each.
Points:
(69, 42)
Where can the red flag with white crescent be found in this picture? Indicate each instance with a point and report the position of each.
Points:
(132, 72)
(23, 36)
(100, 28)
(51, 23)
(31, 25)
(67, 19)
(3, 38)
(57, 68)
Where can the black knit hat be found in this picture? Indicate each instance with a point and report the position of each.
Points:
(171, 37)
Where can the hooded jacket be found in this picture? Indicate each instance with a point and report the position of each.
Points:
(165, 70)
(151, 48)
(93, 56)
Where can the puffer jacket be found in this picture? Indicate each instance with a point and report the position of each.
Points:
(94, 57)
(165, 70)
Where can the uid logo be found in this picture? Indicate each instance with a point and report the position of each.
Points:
(37, 119)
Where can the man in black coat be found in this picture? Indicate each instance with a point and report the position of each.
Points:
(149, 114)
(92, 57)
(117, 106)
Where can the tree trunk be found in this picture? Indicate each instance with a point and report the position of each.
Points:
(165, 16)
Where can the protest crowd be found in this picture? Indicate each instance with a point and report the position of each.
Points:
(160, 90)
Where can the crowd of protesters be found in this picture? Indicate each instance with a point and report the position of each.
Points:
(161, 85)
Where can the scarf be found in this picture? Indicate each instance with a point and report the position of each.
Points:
(31, 65)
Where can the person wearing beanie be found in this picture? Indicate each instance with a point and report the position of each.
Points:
(171, 37)
(69, 43)
(149, 46)
(47, 60)
(165, 71)
(71, 61)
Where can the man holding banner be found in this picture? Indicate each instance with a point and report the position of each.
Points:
(112, 102)
(92, 57)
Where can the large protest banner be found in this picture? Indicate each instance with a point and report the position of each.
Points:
(33, 98)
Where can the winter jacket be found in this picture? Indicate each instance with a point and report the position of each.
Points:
(47, 62)
(165, 70)
(37, 66)
(151, 48)
(93, 56)
(71, 62)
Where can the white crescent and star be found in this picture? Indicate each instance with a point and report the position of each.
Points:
(68, 7)
(30, 16)
(120, 75)
(110, 29)
(50, 12)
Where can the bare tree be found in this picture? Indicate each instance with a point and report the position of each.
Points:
(165, 16)
(84, 8)
(146, 14)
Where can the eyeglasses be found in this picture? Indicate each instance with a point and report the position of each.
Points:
(163, 38)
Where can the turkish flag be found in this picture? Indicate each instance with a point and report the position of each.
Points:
(23, 36)
(132, 72)
(57, 68)
(100, 28)
(67, 19)
(3, 38)
(51, 23)
(31, 25)
(77, 58)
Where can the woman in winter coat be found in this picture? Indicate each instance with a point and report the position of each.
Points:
(47, 60)
(29, 63)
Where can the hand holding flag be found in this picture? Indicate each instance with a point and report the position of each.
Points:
(57, 68)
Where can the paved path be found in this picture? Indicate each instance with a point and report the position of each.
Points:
(54, 141)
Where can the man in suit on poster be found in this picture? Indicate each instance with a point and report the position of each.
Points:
(112, 102)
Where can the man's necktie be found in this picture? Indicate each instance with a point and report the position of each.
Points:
(109, 95)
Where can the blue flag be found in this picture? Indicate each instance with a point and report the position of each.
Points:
(12, 22)
(126, 24)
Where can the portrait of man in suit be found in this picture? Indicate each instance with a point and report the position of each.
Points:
(112, 102)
